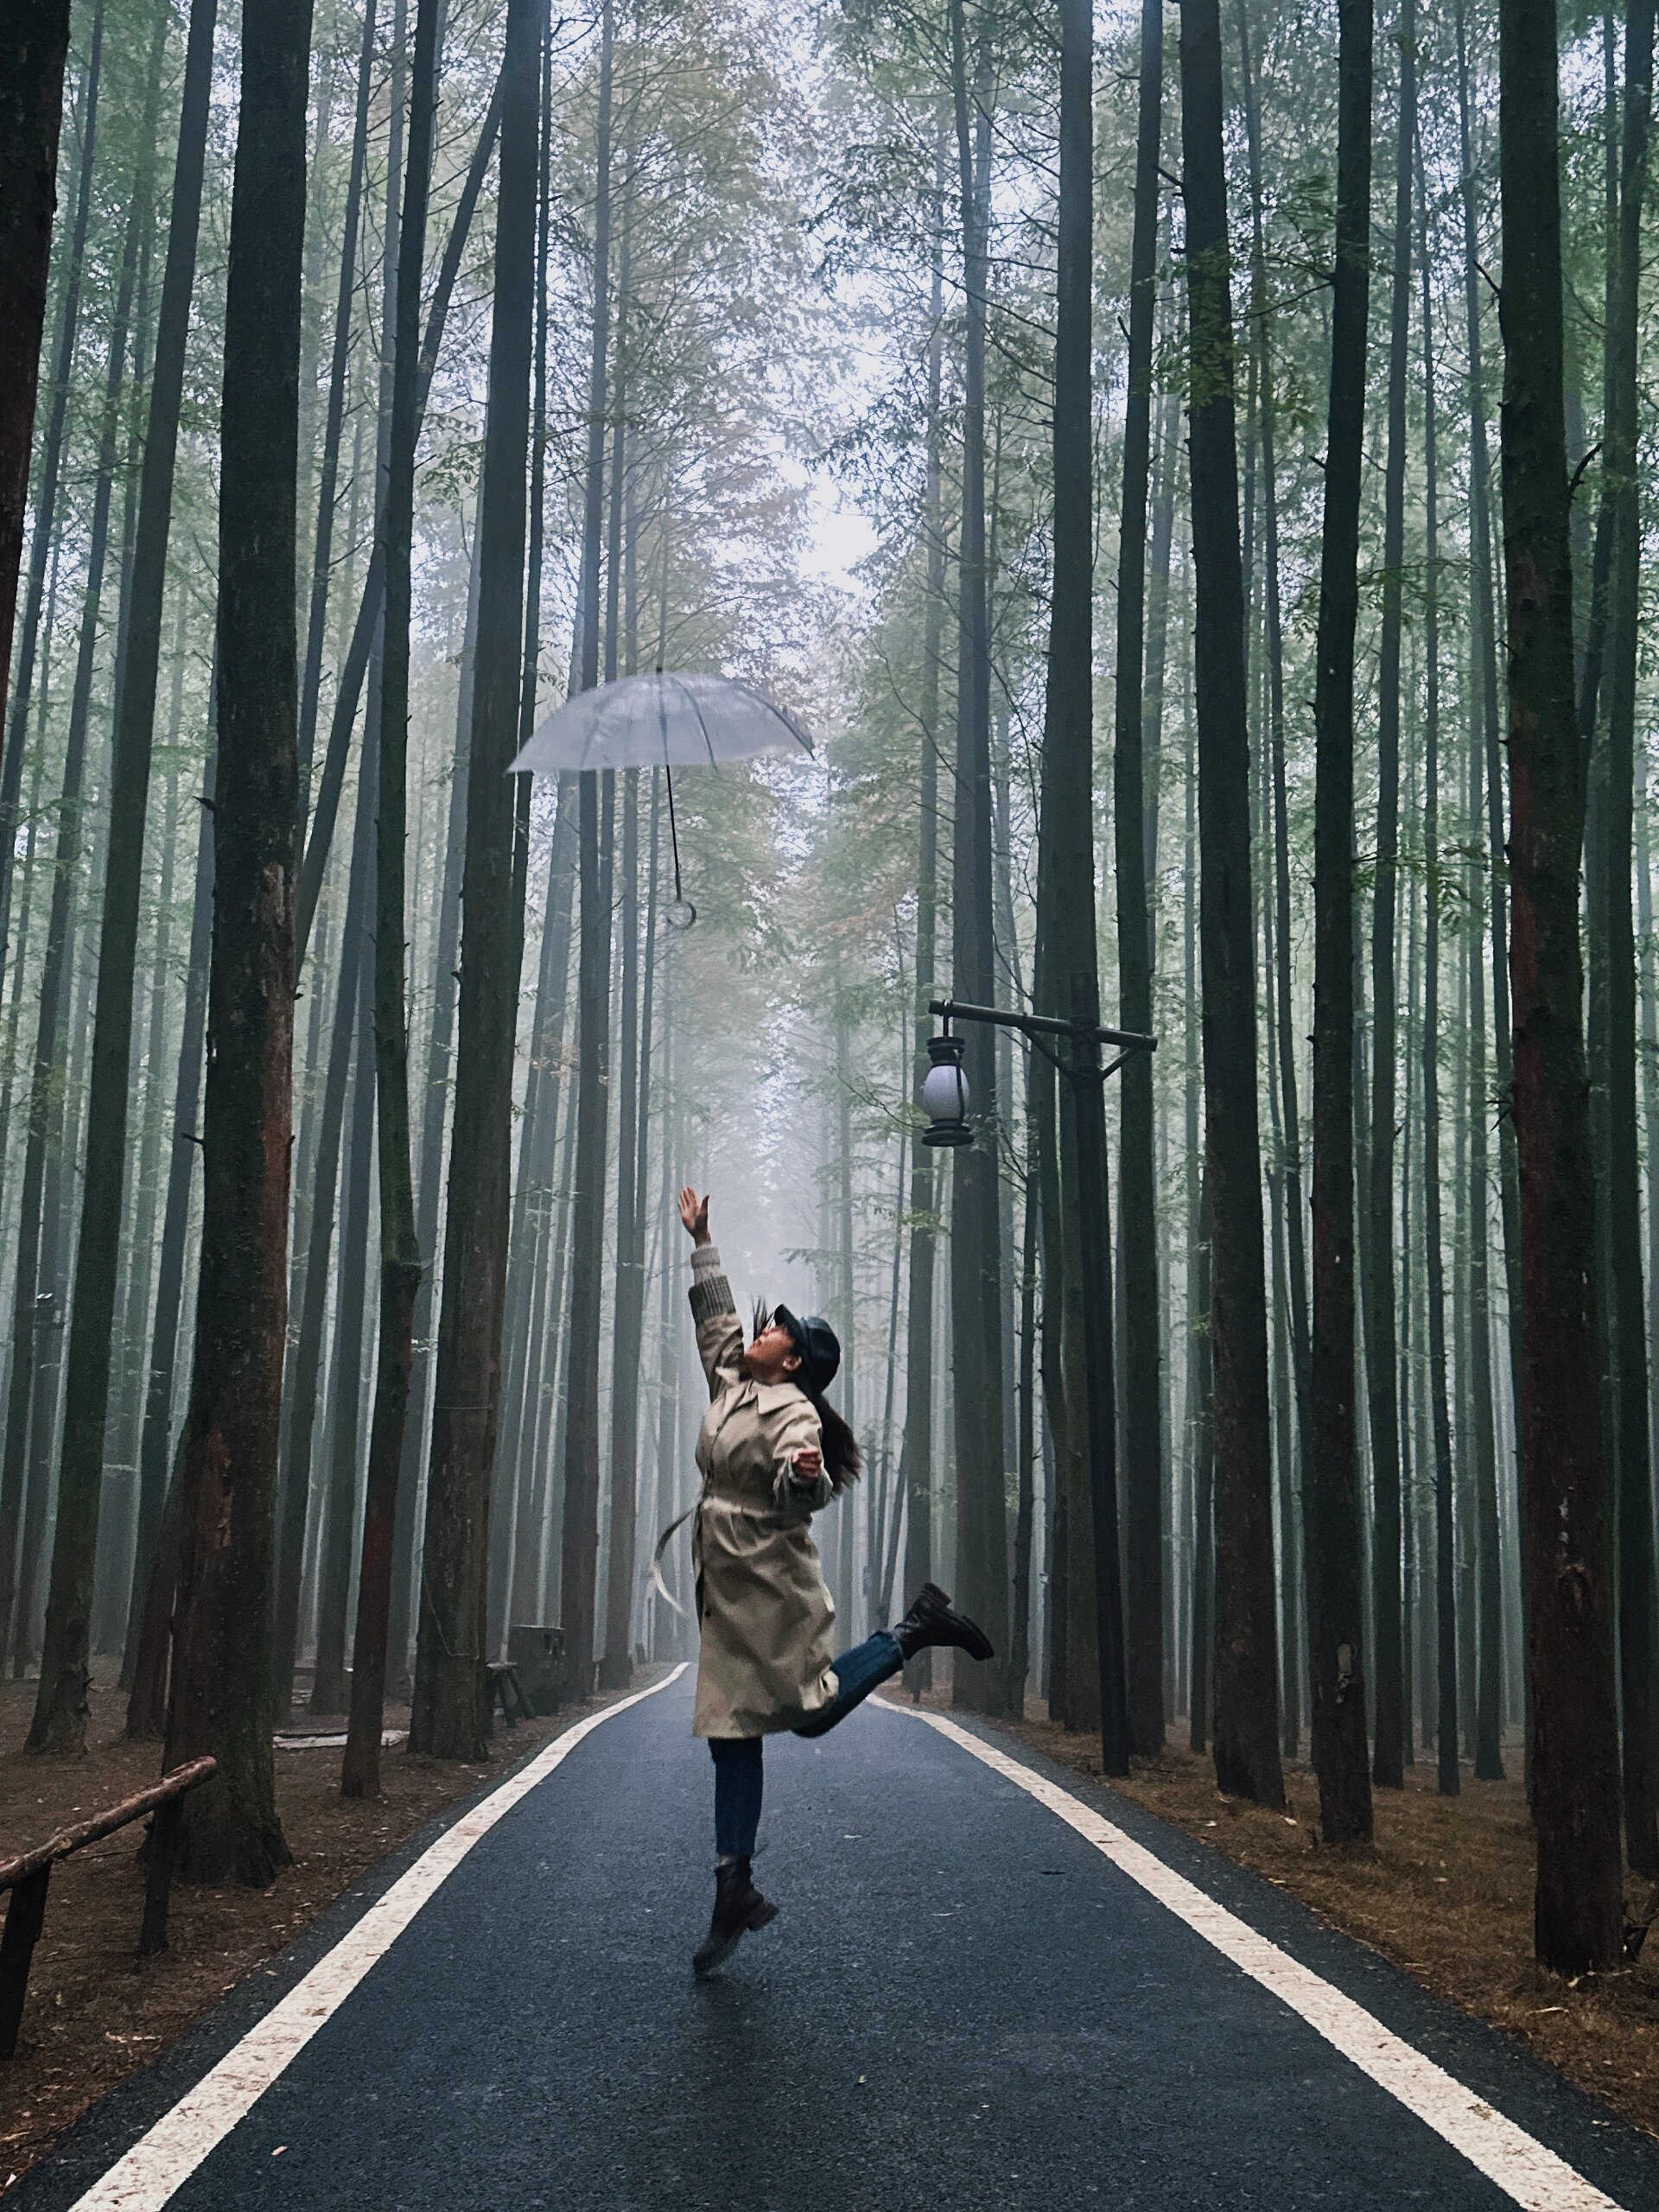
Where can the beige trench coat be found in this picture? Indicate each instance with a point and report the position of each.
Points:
(765, 1616)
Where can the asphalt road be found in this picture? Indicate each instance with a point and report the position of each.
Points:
(962, 2004)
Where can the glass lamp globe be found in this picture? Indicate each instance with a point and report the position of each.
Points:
(944, 1093)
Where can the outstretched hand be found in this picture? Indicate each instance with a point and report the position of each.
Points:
(693, 1212)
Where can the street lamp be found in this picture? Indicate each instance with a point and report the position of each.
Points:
(946, 1093)
(945, 1100)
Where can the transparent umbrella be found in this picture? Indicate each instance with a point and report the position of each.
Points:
(665, 721)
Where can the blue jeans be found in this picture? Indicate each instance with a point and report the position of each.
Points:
(739, 1768)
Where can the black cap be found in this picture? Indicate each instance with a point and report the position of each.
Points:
(818, 1344)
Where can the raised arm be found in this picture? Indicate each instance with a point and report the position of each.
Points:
(719, 1333)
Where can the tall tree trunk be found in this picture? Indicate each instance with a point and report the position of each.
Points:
(580, 1564)
(628, 1322)
(114, 1582)
(1066, 886)
(1284, 1026)
(1486, 1606)
(1246, 1700)
(448, 1718)
(400, 1260)
(1331, 1482)
(155, 1566)
(220, 1690)
(434, 1115)
(513, 1480)
(333, 419)
(305, 1365)
(1143, 1441)
(1485, 622)
(1382, 1357)
(1568, 1546)
(916, 1451)
(59, 1720)
(337, 1505)
(981, 1568)
(33, 48)
(1445, 1588)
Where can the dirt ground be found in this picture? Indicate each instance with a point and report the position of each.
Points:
(93, 2013)
(1446, 1895)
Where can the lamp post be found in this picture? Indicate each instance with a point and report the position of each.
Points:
(1077, 1052)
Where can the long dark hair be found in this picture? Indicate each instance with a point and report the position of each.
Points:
(842, 1458)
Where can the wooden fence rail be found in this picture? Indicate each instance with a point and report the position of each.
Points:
(27, 1876)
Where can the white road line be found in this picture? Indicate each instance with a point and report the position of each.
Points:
(1520, 2166)
(161, 2161)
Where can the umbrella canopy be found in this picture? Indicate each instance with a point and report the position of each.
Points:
(665, 721)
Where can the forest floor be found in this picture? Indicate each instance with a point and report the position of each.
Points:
(1447, 1896)
(93, 2014)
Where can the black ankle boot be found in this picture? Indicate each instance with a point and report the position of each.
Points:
(931, 1623)
(738, 1907)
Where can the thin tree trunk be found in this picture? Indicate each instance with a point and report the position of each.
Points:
(1143, 1442)
(1434, 1249)
(339, 356)
(916, 1450)
(579, 1562)
(512, 1479)
(1387, 1768)
(1485, 615)
(400, 1260)
(154, 1567)
(1486, 1608)
(1285, 1024)
(448, 1718)
(434, 1114)
(337, 1504)
(981, 1567)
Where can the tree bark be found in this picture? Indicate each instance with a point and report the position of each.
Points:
(1567, 1538)
(1445, 1588)
(220, 1689)
(1246, 1690)
(580, 1562)
(1381, 1346)
(916, 1450)
(400, 1260)
(981, 1570)
(1143, 1441)
(1331, 1480)
(448, 1718)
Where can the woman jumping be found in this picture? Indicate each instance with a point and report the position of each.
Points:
(771, 1452)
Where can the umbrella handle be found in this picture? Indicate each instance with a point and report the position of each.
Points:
(683, 914)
